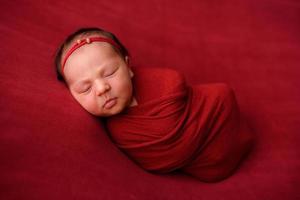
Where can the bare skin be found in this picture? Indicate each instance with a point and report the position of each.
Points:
(100, 79)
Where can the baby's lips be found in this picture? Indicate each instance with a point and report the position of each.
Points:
(110, 103)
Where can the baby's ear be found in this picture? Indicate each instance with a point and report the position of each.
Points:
(127, 60)
(130, 72)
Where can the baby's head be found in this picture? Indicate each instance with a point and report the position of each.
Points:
(95, 66)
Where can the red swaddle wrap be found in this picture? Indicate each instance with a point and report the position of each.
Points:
(196, 129)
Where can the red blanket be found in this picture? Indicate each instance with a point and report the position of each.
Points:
(196, 129)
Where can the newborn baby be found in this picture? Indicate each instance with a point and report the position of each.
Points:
(151, 114)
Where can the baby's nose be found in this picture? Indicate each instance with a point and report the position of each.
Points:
(101, 87)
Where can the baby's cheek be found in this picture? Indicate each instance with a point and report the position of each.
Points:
(89, 104)
(125, 88)
(126, 83)
(116, 85)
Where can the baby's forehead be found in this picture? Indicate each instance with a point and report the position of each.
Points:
(94, 51)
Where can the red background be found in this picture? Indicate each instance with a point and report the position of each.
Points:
(50, 148)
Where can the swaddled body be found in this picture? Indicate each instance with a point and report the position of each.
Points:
(159, 121)
(196, 129)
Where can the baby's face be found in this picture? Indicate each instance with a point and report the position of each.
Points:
(99, 79)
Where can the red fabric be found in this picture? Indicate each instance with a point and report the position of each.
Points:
(196, 128)
(51, 148)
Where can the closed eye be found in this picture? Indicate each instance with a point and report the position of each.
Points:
(85, 90)
(110, 73)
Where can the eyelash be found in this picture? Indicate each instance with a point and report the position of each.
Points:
(86, 90)
(110, 73)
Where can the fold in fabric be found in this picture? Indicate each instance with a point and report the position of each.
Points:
(196, 129)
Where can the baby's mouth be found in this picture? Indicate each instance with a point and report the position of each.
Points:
(110, 103)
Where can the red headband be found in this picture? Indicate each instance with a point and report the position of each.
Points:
(87, 41)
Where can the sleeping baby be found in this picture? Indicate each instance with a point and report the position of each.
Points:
(151, 114)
